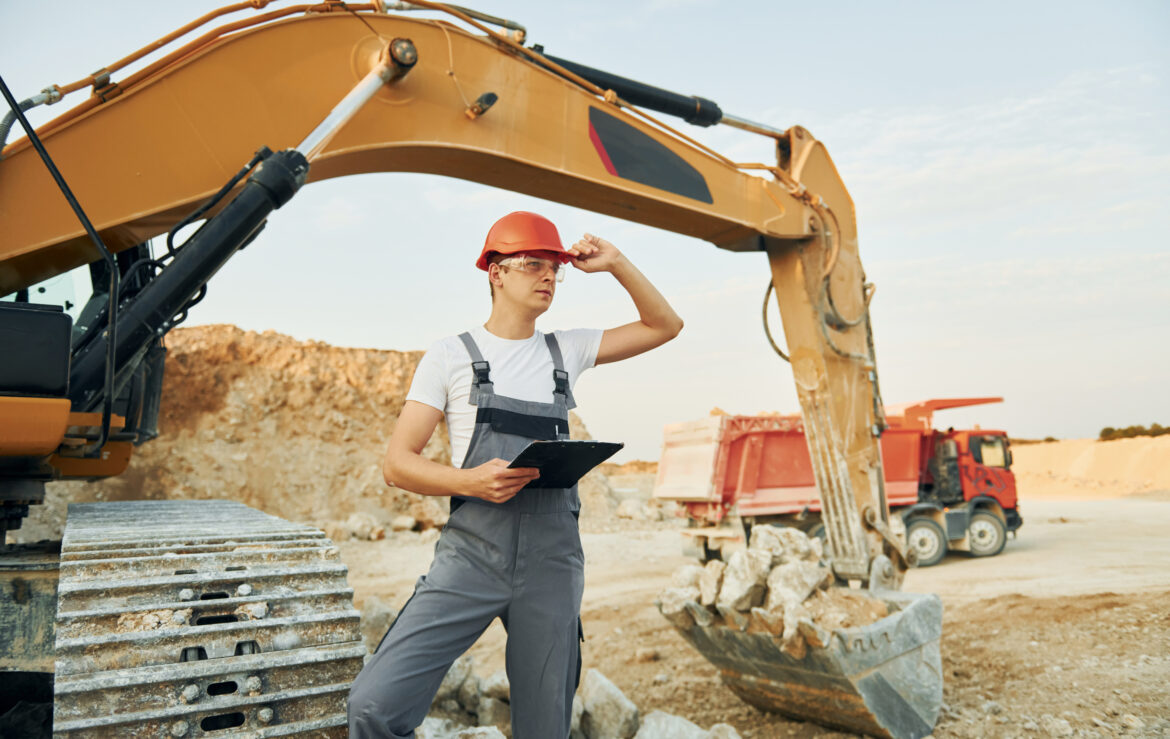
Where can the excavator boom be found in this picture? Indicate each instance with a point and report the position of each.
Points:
(197, 119)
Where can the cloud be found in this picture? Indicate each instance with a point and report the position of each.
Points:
(1089, 143)
(1070, 160)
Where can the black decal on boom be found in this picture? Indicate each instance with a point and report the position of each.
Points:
(632, 155)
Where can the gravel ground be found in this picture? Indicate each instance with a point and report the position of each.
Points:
(1067, 633)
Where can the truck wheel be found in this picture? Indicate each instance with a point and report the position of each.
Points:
(986, 534)
(927, 538)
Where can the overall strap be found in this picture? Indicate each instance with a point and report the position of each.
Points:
(481, 383)
(560, 376)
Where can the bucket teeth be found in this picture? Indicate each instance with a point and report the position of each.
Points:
(766, 622)
(733, 618)
(813, 634)
(700, 616)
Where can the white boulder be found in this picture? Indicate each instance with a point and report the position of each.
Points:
(791, 584)
(686, 576)
(496, 686)
(784, 543)
(454, 678)
(744, 579)
(710, 581)
(662, 725)
(608, 714)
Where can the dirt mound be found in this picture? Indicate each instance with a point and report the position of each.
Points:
(1085, 468)
(633, 467)
(296, 429)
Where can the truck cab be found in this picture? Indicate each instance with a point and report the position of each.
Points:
(967, 495)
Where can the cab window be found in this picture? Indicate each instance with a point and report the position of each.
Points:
(989, 451)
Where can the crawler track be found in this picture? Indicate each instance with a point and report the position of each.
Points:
(194, 618)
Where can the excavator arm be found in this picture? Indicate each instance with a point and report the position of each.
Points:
(143, 152)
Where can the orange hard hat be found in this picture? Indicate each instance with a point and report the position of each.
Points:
(521, 231)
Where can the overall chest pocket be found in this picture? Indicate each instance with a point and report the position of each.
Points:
(542, 428)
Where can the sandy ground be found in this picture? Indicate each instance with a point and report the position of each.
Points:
(1066, 633)
(1090, 469)
(1070, 624)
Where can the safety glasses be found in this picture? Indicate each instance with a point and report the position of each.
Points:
(535, 266)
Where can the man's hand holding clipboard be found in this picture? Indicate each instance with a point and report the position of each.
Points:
(563, 463)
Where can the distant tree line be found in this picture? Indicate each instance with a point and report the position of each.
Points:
(1109, 433)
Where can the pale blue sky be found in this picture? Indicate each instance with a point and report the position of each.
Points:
(1009, 164)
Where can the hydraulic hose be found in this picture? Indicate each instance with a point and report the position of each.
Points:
(691, 108)
(767, 328)
(149, 313)
(47, 96)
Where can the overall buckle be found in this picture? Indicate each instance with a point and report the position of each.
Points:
(561, 379)
(481, 371)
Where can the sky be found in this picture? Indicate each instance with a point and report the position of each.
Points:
(1008, 161)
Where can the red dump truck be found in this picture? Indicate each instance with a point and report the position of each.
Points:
(953, 490)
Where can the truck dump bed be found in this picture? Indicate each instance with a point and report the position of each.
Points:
(762, 464)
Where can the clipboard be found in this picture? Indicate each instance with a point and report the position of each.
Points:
(563, 463)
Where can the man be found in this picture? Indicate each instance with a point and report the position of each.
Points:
(503, 553)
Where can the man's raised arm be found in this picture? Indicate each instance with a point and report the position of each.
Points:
(657, 324)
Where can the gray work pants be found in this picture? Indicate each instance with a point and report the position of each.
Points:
(491, 561)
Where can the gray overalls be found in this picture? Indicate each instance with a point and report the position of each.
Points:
(520, 560)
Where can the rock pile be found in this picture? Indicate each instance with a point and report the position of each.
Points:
(602, 711)
(467, 706)
(465, 700)
(645, 510)
(778, 585)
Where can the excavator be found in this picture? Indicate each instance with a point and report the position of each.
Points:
(189, 618)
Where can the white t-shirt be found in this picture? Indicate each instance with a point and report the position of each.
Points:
(520, 368)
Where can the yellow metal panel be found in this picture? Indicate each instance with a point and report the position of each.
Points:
(115, 457)
(144, 159)
(32, 427)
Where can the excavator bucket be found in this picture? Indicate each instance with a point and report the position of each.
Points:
(882, 680)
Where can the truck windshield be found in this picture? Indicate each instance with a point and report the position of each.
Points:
(989, 451)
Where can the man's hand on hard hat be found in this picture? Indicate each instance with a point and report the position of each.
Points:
(594, 254)
(495, 482)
